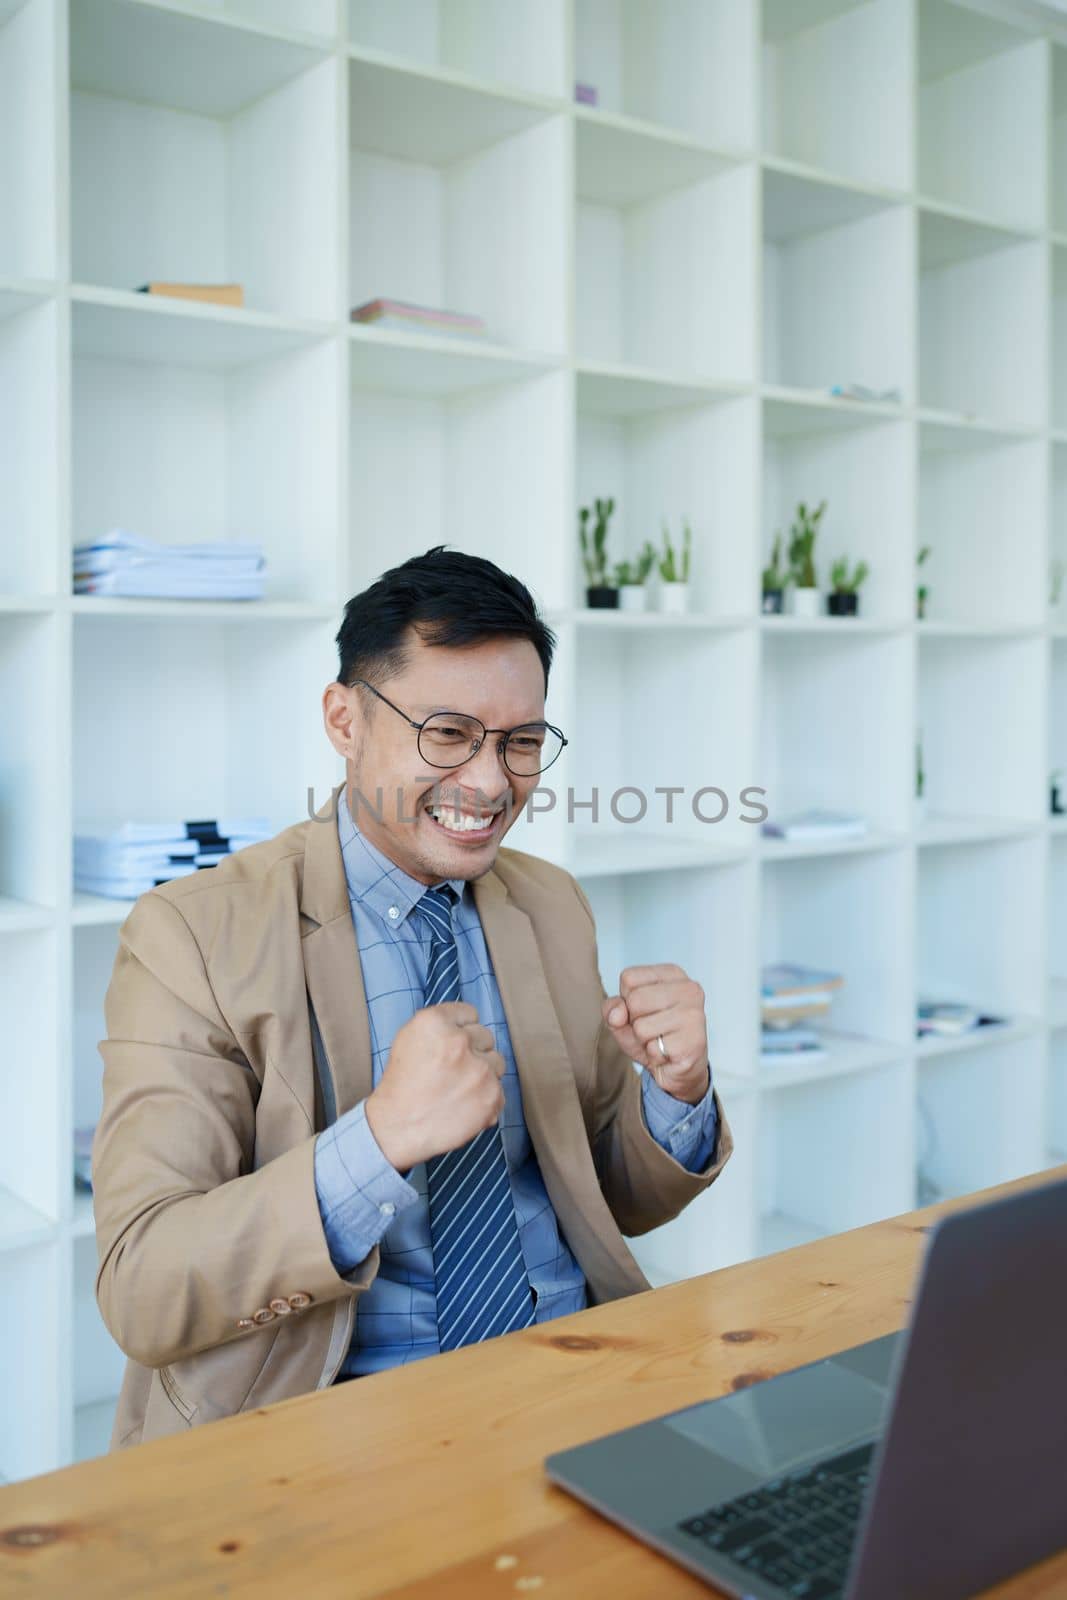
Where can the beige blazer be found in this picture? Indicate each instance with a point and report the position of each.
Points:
(214, 1274)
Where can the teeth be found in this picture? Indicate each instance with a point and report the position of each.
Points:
(446, 816)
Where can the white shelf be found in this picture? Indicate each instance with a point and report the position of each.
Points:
(768, 201)
(845, 1054)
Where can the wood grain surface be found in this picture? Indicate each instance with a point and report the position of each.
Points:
(427, 1481)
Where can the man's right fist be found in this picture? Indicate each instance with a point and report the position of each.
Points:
(440, 1087)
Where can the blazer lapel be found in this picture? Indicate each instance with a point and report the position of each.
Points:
(550, 1100)
(331, 961)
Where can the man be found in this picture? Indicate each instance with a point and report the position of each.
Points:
(365, 1099)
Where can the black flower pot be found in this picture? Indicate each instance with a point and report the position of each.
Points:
(602, 599)
(773, 601)
(1055, 801)
(842, 605)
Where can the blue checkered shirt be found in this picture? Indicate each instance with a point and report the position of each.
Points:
(365, 1201)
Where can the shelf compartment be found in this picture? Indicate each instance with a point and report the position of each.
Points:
(189, 139)
(835, 724)
(968, 495)
(946, 829)
(1057, 539)
(264, 436)
(522, 46)
(840, 466)
(982, 322)
(699, 463)
(624, 749)
(642, 271)
(609, 389)
(592, 856)
(144, 752)
(983, 740)
(623, 163)
(398, 363)
(980, 1116)
(29, 212)
(845, 1054)
(458, 470)
(836, 80)
(837, 287)
(117, 325)
(822, 1165)
(983, 111)
(977, 907)
(848, 914)
(30, 363)
(789, 413)
(690, 66)
(454, 201)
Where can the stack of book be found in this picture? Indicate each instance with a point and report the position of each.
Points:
(130, 566)
(400, 316)
(126, 861)
(791, 997)
(816, 824)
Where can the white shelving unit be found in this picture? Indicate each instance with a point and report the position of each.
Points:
(769, 199)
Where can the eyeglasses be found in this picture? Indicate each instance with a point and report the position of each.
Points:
(449, 738)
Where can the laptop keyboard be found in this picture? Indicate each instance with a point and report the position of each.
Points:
(796, 1531)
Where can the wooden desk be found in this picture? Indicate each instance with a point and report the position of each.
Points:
(427, 1481)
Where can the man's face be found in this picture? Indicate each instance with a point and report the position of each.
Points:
(502, 683)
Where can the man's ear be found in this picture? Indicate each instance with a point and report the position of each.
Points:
(340, 717)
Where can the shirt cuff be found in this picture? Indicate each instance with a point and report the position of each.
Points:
(358, 1190)
(685, 1131)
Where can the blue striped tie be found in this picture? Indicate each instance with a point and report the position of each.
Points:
(482, 1285)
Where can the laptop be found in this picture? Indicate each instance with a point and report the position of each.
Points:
(924, 1465)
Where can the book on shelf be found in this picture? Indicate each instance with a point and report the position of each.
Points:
(788, 977)
(404, 317)
(586, 94)
(949, 1018)
(790, 1046)
(814, 824)
(218, 294)
(126, 861)
(861, 391)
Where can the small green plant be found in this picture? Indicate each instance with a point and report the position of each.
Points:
(920, 771)
(775, 576)
(1056, 571)
(635, 572)
(840, 581)
(674, 567)
(595, 547)
(802, 545)
(922, 592)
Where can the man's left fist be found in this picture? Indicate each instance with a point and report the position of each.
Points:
(661, 1002)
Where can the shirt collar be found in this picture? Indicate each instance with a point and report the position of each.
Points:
(375, 880)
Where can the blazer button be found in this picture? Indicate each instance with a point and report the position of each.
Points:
(264, 1314)
(282, 1307)
(245, 1322)
(299, 1300)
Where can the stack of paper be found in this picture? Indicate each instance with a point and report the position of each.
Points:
(946, 1018)
(128, 860)
(790, 1047)
(130, 566)
(816, 824)
(400, 316)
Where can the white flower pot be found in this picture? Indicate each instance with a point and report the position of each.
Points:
(673, 597)
(805, 602)
(633, 597)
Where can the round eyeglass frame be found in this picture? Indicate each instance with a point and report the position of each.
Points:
(467, 717)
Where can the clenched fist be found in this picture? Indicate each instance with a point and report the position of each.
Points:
(661, 1002)
(440, 1087)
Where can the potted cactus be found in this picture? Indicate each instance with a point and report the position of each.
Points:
(805, 592)
(600, 593)
(922, 592)
(843, 599)
(920, 779)
(630, 578)
(775, 578)
(674, 570)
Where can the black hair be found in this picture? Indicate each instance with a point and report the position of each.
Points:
(450, 598)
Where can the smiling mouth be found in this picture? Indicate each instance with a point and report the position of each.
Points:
(475, 826)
